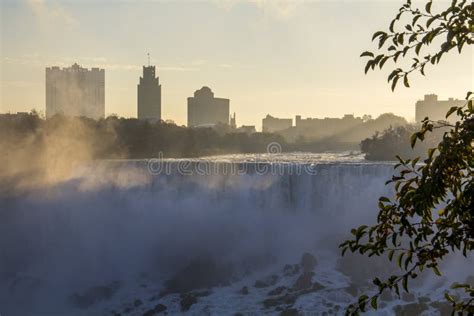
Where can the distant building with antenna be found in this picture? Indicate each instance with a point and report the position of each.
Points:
(75, 91)
(149, 95)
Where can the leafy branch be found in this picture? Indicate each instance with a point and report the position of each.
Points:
(412, 40)
(432, 212)
(420, 231)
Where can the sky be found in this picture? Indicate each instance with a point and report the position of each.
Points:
(283, 58)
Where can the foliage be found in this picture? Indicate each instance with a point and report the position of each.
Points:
(452, 28)
(126, 138)
(395, 141)
(432, 213)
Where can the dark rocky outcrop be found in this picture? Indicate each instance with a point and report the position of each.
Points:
(244, 290)
(189, 299)
(94, 295)
(277, 291)
(290, 312)
(317, 286)
(408, 297)
(410, 309)
(387, 296)
(286, 299)
(160, 308)
(444, 308)
(352, 289)
(304, 281)
(362, 269)
(308, 262)
(137, 303)
(266, 282)
(424, 299)
(202, 272)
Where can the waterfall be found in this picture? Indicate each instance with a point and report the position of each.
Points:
(114, 219)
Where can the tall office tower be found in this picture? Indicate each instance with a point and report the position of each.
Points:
(75, 91)
(149, 95)
(206, 110)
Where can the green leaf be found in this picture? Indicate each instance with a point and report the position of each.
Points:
(394, 239)
(367, 67)
(431, 151)
(415, 19)
(451, 111)
(384, 199)
(377, 34)
(390, 254)
(367, 54)
(436, 270)
(413, 139)
(408, 259)
(405, 81)
(400, 39)
(400, 258)
(363, 298)
(377, 281)
(428, 7)
(449, 297)
(394, 82)
(392, 26)
(373, 302)
(418, 48)
(405, 282)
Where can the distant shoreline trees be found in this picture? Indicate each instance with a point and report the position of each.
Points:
(395, 141)
(115, 137)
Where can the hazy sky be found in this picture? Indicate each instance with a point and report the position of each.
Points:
(279, 57)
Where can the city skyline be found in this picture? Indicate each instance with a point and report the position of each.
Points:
(265, 58)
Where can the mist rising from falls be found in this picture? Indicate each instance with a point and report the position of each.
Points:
(116, 220)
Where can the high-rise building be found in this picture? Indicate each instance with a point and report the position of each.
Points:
(75, 91)
(436, 109)
(206, 110)
(149, 95)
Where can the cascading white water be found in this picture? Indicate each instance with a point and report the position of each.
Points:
(117, 220)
